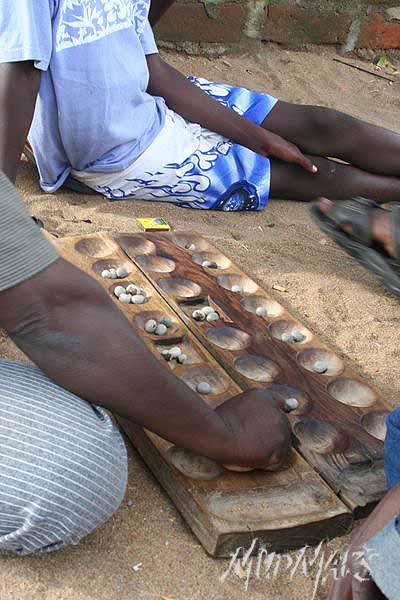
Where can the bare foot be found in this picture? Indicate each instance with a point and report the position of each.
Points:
(381, 226)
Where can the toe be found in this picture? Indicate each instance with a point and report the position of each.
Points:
(325, 205)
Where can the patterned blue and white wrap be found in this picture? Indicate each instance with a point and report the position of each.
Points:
(196, 168)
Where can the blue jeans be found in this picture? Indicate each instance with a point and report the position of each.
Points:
(385, 546)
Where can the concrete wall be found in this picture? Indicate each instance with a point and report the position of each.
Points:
(216, 26)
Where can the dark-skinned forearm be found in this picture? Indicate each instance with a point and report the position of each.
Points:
(80, 339)
(196, 106)
(19, 85)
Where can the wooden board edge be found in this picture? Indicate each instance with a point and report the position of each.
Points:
(221, 544)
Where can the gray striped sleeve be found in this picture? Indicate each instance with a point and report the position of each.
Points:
(24, 251)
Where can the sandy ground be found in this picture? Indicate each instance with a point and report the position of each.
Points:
(328, 291)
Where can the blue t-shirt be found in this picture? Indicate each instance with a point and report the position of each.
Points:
(93, 112)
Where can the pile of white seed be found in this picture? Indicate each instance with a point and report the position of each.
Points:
(207, 313)
(132, 294)
(158, 327)
(174, 353)
(119, 273)
(261, 311)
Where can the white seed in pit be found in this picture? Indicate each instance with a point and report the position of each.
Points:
(236, 288)
(175, 352)
(203, 387)
(198, 315)
(122, 272)
(166, 354)
(182, 359)
(287, 337)
(298, 336)
(167, 321)
(207, 310)
(138, 299)
(209, 264)
(320, 367)
(150, 326)
(291, 404)
(190, 247)
(119, 290)
(125, 298)
(261, 311)
(133, 289)
(106, 274)
(113, 274)
(212, 317)
(161, 329)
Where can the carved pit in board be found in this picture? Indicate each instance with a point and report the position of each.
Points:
(215, 258)
(227, 337)
(158, 264)
(375, 423)
(112, 263)
(352, 392)
(270, 308)
(287, 394)
(180, 288)
(136, 245)
(321, 437)
(257, 368)
(96, 247)
(192, 376)
(147, 290)
(194, 466)
(192, 356)
(237, 283)
(141, 319)
(323, 362)
(191, 242)
(200, 303)
(288, 331)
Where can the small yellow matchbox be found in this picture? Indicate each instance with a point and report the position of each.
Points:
(158, 224)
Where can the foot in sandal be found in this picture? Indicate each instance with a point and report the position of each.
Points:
(367, 232)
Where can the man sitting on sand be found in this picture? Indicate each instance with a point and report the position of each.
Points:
(84, 78)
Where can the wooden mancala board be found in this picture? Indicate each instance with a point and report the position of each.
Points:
(338, 421)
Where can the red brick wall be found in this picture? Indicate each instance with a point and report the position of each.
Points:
(228, 24)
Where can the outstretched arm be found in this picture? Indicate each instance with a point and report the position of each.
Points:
(193, 104)
(69, 327)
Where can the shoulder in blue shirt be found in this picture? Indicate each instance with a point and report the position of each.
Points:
(93, 112)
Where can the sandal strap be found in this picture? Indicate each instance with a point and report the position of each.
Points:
(396, 228)
(357, 214)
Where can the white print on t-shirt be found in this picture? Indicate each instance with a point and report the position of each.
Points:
(85, 21)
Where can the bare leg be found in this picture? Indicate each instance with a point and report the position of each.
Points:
(326, 132)
(333, 180)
